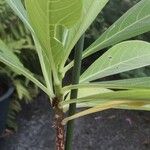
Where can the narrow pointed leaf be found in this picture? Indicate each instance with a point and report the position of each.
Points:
(135, 22)
(127, 95)
(91, 91)
(122, 57)
(133, 83)
(88, 91)
(127, 105)
(135, 106)
(95, 109)
(108, 105)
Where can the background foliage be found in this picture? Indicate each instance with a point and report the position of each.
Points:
(18, 38)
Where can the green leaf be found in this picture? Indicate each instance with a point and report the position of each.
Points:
(124, 105)
(136, 21)
(11, 60)
(135, 106)
(108, 105)
(100, 107)
(126, 95)
(91, 10)
(19, 9)
(133, 83)
(91, 91)
(53, 16)
(122, 57)
(128, 99)
(88, 91)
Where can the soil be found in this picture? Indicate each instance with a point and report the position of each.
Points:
(108, 130)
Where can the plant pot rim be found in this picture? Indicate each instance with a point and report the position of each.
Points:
(8, 93)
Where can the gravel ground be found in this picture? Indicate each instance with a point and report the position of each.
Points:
(108, 130)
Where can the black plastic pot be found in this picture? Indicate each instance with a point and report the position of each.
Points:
(4, 103)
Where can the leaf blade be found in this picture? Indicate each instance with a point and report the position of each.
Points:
(132, 83)
(19, 9)
(142, 95)
(105, 106)
(122, 57)
(91, 10)
(132, 23)
(52, 15)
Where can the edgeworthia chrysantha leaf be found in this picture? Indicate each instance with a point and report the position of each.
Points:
(107, 105)
(127, 105)
(126, 95)
(91, 8)
(133, 83)
(48, 17)
(128, 99)
(83, 92)
(122, 57)
(104, 106)
(19, 9)
(136, 21)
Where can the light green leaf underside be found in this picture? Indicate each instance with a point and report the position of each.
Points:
(122, 57)
(91, 8)
(126, 96)
(91, 91)
(53, 15)
(135, 106)
(95, 109)
(136, 21)
(108, 105)
(11, 60)
(125, 105)
(18, 8)
(133, 83)
(88, 91)
(130, 99)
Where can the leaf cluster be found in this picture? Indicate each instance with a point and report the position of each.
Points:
(56, 26)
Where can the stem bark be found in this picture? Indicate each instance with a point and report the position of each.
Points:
(60, 131)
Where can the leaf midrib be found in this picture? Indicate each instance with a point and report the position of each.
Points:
(95, 74)
(90, 49)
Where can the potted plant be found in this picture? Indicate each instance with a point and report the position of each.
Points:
(56, 26)
(6, 92)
